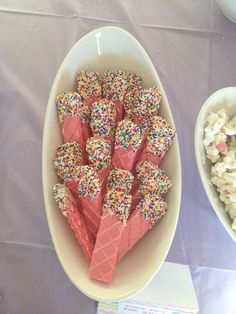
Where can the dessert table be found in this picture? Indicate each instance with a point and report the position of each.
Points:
(193, 47)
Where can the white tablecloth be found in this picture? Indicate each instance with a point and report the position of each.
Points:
(193, 47)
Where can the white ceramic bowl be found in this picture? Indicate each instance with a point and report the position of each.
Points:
(223, 98)
(229, 9)
(103, 49)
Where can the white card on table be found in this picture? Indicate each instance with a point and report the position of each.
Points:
(170, 292)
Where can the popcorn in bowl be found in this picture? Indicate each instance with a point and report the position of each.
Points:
(220, 146)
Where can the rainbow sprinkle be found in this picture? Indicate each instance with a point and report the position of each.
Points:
(61, 107)
(148, 103)
(157, 182)
(64, 166)
(120, 180)
(117, 82)
(99, 152)
(61, 195)
(84, 114)
(128, 135)
(60, 192)
(130, 102)
(89, 84)
(89, 184)
(70, 104)
(152, 207)
(131, 106)
(142, 102)
(135, 81)
(144, 126)
(118, 203)
(103, 115)
(72, 148)
(145, 168)
(160, 137)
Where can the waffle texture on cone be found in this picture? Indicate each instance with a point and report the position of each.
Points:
(68, 207)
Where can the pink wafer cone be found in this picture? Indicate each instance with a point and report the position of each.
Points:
(143, 126)
(159, 138)
(89, 101)
(68, 156)
(74, 129)
(134, 230)
(102, 176)
(116, 84)
(119, 110)
(82, 234)
(124, 158)
(103, 120)
(73, 186)
(149, 210)
(99, 154)
(111, 139)
(90, 194)
(128, 139)
(135, 185)
(76, 221)
(64, 166)
(92, 208)
(104, 256)
(149, 179)
(74, 118)
(136, 119)
(115, 213)
(146, 156)
(158, 182)
(143, 169)
(136, 198)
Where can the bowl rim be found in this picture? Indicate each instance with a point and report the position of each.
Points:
(202, 174)
(137, 289)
